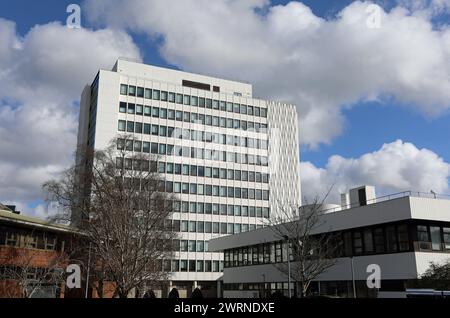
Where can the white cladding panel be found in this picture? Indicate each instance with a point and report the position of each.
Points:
(285, 182)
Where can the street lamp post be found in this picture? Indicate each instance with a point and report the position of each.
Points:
(88, 271)
(353, 277)
(289, 264)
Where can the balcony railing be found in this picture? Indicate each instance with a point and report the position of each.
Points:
(432, 247)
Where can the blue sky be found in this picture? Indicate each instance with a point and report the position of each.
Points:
(363, 132)
(367, 124)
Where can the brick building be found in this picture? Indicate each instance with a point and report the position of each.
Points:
(33, 256)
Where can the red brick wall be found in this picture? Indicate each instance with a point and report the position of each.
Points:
(18, 256)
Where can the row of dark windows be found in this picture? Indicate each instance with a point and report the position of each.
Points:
(201, 171)
(382, 239)
(187, 152)
(220, 209)
(184, 226)
(195, 118)
(267, 287)
(213, 190)
(30, 239)
(342, 289)
(190, 134)
(192, 266)
(192, 246)
(196, 101)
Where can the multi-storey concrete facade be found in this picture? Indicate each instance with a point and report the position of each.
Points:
(231, 159)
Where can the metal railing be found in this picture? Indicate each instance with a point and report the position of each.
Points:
(431, 247)
(389, 197)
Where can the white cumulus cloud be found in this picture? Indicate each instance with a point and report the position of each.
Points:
(396, 167)
(288, 53)
(42, 75)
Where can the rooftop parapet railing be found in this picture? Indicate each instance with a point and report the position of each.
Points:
(389, 197)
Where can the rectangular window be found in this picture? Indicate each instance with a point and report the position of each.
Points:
(138, 128)
(446, 231)
(403, 238)
(175, 266)
(192, 266)
(263, 112)
(357, 243)
(200, 266)
(194, 101)
(183, 265)
(148, 93)
(184, 246)
(192, 246)
(139, 109)
(368, 241)
(124, 89)
(137, 146)
(163, 131)
(200, 246)
(122, 125)
(122, 107)
(132, 90)
(230, 228)
(163, 113)
(391, 239)
(436, 240)
(216, 266)
(186, 100)
(130, 126)
(140, 92)
(422, 233)
(223, 228)
(348, 249)
(171, 98)
(379, 240)
(208, 227)
(208, 266)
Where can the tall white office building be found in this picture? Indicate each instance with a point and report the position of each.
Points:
(230, 159)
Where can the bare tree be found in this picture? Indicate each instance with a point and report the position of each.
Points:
(27, 279)
(310, 254)
(119, 202)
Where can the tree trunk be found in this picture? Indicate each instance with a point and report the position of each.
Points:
(100, 288)
(302, 290)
